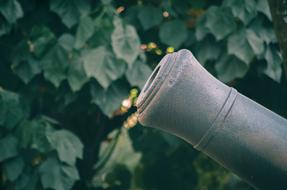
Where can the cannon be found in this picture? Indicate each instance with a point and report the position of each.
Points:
(182, 98)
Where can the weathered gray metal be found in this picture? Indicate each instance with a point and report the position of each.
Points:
(182, 98)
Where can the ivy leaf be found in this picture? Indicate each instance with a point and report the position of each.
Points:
(122, 158)
(149, 16)
(182, 7)
(24, 64)
(71, 172)
(5, 27)
(24, 57)
(11, 10)
(263, 7)
(12, 109)
(27, 69)
(173, 33)
(267, 34)
(76, 74)
(238, 45)
(125, 42)
(100, 64)
(229, 68)
(13, 168)
(33, 135)
(109, 100)
(132, 15)
(8, 147)
(220, 22)
(27, 181)
(55, 175)
(67, 41)
(104, 28)
(55, 64)
(70, 10)
(68, 146)
(208, 49)
(106, 2)
(245, 10)
(201, 30)
(255, 42)
(41, 39)
(274, 62)
(84, 31)
(138, 74)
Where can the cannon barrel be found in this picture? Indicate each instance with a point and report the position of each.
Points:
(182, 98)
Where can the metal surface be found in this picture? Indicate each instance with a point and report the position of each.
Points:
(182, 98)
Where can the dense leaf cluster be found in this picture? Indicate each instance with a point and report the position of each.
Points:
(89, 44)
(33, 149)
(243, 31)
(67, 65)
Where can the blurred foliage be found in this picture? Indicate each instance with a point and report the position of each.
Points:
(70, 72)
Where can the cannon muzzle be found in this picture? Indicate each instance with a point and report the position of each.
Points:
(182, 98)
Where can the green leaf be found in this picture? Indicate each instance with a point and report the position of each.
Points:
(41, 39)
(208, 49)
(8, 147)
(149, 16)
(109, 100)
(70, 11)
(76, 74)
(264, 30)
(263, 7)
(255, 42)
(26, 69)
(131, 15)
(138, 74)
(173, 33)
(70, 172)
(100, 64)
(220, 22)
(11, 10)
(25, 64)
(84, 32)
(68, 146)
(245, 10)
(123, 154)
(5, 27)
(106, 2)
(67, 41)
(27, 181)
(238, 45)
(173, 141)
(55, 65)
(274, 63)
(55, 175)
(33, 135)
(104, 28)
(125, 42)
(229, 68)
(181, 8)
(13, 168)
(201, 30)
(12, 109)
